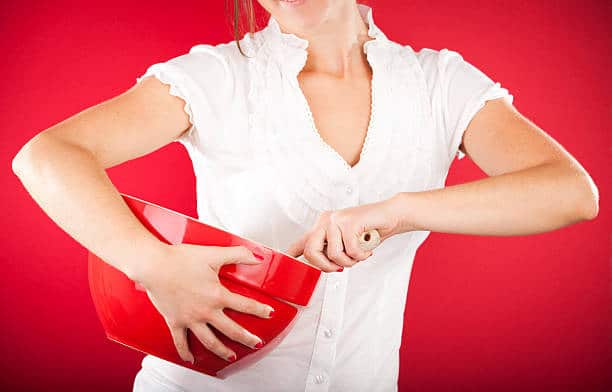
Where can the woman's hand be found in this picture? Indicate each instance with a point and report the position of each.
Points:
(184, 287)
(334, 239)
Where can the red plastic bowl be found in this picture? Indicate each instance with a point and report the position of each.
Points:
(130, 318)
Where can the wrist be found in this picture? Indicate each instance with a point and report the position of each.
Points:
(144, 265)
(401, 206)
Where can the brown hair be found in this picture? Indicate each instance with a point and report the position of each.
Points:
(242, 6)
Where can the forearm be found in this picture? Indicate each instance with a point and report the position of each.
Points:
(533, 200)
(75, 192)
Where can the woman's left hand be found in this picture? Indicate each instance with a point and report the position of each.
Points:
(333, 242)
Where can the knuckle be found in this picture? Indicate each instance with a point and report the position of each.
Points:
(237, 302)
(179, 342)
(255, 307)
(263, 309)
(206, 314)
(333, 254)
(361, 256)
(343, 263)
(244, 251)
(217, 347)
(173, 323)
(182, 351)
(217, 294)
(334, 217)
(234, 333)
(249, 305)
(244, 335)
(308, 252)
(338, 217)
(206, 341)
(350, 251)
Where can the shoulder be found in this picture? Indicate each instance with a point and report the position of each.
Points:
(225, 54)
(429, 57)
(207, 65)
(449, 74)
(213, 63)
(438, 63)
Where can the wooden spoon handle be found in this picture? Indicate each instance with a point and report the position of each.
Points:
(369, 240)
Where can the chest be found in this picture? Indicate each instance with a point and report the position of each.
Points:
(309, 144)
(339, 111)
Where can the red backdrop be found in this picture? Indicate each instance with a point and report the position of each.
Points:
(483, 313)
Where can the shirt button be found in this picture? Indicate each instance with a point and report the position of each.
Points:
(336, 285)
(319, 379)
(328, 333)
(349, 189)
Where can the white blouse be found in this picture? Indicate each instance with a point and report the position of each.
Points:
(263, 172)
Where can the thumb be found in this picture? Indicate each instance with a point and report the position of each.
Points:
(239, 254)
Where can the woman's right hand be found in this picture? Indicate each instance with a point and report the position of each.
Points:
(185, 288)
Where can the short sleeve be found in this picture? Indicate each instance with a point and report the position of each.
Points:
(458, 91)
(199, 78)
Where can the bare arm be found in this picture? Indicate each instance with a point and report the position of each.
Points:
(63, 169)
(534, 185)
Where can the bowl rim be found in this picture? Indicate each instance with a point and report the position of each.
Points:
(221, 229)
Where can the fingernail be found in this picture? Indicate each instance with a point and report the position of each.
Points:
(231, 358)
(259, 345)
(271, 311)
(340, 269)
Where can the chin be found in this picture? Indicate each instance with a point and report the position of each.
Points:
(298, 15)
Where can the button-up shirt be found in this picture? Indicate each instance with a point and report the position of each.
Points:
(263, 172)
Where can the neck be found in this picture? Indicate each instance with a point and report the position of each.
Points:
(335, 47)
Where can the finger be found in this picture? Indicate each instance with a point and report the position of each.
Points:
(211, 341)
(235, 331)
(239, 254)
(246, 305)
(179, 337)
(335, 247)
(353, 246)
(313, 251)
(297, 248)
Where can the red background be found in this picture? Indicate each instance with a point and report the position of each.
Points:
(483, 313)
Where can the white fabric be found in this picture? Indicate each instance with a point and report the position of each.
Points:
(263, 172)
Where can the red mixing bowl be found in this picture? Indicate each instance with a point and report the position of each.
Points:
(130, 318)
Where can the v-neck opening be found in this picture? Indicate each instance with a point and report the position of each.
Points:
(325, 145)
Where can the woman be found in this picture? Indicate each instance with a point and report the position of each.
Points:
(305, 135)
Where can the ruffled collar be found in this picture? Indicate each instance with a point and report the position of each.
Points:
(310, 175)
(291, 50)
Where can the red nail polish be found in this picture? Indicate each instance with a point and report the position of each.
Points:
(271, 313)
(340, 269)
(232, 358)
(259, 345)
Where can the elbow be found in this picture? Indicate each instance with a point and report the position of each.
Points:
(19, 160)
(581, 193)
(27, 156)
(590, 205)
